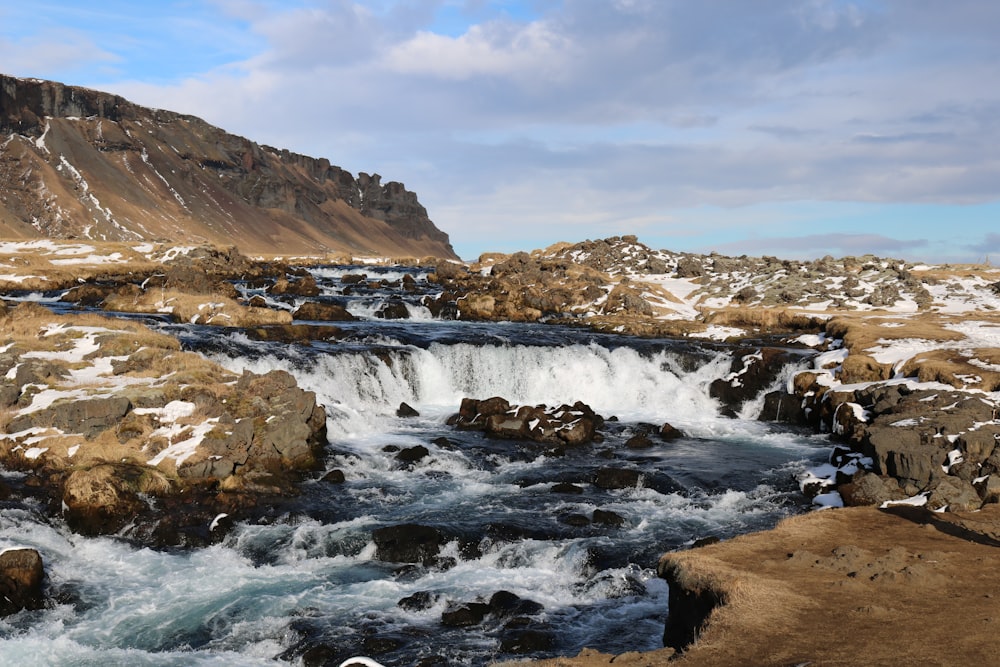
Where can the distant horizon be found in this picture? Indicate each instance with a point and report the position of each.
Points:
(785, 129)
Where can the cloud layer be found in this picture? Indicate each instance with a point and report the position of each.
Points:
(524, 123)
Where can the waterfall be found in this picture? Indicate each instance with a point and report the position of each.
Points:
(361, 388)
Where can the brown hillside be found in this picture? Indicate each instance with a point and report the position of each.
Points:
(81, 164)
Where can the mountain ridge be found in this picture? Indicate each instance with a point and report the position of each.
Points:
(78, 163)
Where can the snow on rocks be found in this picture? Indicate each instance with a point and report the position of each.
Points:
(112, 414)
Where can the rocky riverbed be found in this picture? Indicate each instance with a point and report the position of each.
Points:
(119, 431)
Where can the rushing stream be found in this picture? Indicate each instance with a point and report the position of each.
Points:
(308, 583)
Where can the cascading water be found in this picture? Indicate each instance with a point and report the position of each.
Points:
(307, 588)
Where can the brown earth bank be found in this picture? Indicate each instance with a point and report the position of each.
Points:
(854, 586)
(81, 164)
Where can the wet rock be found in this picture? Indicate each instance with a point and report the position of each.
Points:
(639, 441)
(105, 498)
(569, 425)
(566, 487)
(751, 372)
(504, 604)
(335, 476)
(88, 295)
(522, 642)
(412, 454)
(705, 541)
(617, 478)
(407, 543)
(405, 410)
(608, 518)
(464, 614)
(395, 309)
(302, 286)
(669, 433)
(690, 601)
(294, 333)
(21, 578)
(380, 645)
(353, 278)
(783, 408)
(419, 601)
(575, 520)
(322, 312)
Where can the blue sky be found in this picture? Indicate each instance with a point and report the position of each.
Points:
(790, 128)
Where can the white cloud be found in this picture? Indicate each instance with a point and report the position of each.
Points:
(497, 49)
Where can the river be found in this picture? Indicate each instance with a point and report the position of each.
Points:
(305, 587)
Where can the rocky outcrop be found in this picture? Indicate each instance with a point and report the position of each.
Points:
(113, 170)
(901, 440)
(566, 425)
(154, 458)
(752, 371)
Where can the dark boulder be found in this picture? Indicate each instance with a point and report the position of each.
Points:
(394, 309)
(617, 478)
(669, 433)
(464, 614)
(407, 543)
(412, 454)
(406, 410)
(504, 604)
(608, 518)
(528, 640)
(751, 372)
(870, 489)
(335, 476)
(21, 581)
(639, 441)
(566, 487)
(419, 601)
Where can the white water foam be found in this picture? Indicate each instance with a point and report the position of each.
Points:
(361, 390)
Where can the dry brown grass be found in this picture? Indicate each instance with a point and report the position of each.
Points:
(947, 272)
(188, 368)
(53, 270)
(201, 308)
(863, 332)
(905, 590)
(953, 367)
(764, 319)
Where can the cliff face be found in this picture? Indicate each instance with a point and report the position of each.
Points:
(77, 163)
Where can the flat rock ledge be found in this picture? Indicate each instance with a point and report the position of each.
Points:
(123, 433)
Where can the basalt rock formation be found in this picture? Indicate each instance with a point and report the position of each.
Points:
(82, 164)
